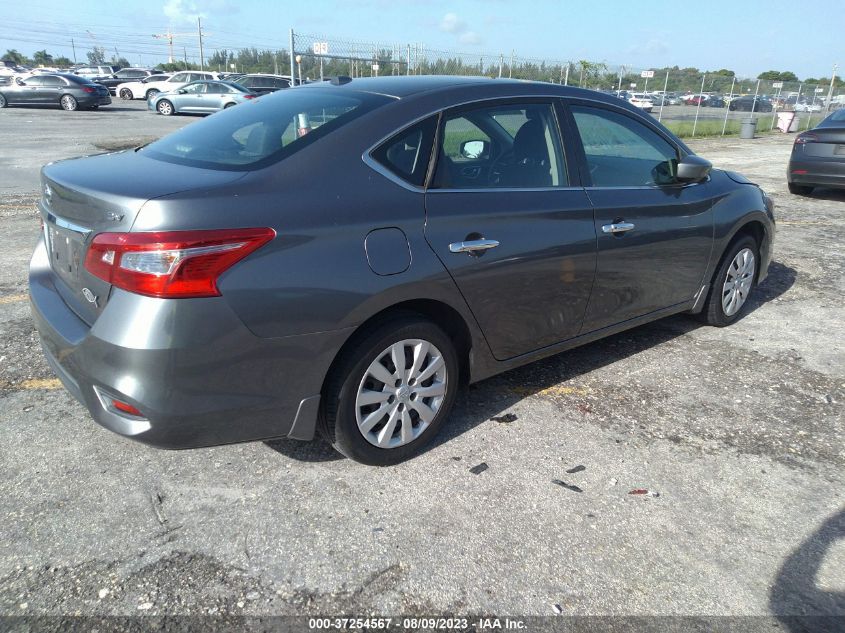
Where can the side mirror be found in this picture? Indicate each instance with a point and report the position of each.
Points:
(181, 91)
(693, 168)
(474, 149)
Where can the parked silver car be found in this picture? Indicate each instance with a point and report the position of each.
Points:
(200, 97)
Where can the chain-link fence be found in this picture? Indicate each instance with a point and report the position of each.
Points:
(689, 102)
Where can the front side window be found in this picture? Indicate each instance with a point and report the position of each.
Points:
(272, 129)
(407, 154)
(622, 152)
(502, 146)
(194, 89)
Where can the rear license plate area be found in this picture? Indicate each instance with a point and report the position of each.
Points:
(65, 253)
(839, 150)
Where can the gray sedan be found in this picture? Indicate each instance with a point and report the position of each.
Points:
(69, 92)
(339, 258)
(200, 97)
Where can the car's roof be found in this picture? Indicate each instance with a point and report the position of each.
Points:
(403, 86)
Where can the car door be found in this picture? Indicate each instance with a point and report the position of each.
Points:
(654, 233)
(31, 91)
(191, 98)
(508, 219)
(51, 89)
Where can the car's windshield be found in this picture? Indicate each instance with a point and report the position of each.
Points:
(267, 130)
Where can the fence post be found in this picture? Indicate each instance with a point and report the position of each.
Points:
(698, 106)
(566, 76)
(292, 60)
(754, 103)
(663, 98)
(728, 105)
(501, 63)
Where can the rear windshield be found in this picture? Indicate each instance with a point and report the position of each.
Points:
(259, 133)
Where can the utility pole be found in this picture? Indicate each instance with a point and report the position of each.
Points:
(199, 29)
(185, 52)
(73, 46)
(830, 90)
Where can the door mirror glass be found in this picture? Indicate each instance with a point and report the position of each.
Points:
(693, 168)
(474, 150)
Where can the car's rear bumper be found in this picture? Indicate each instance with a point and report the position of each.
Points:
(191, 367)
(824, 172)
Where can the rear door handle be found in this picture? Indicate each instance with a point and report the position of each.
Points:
(472, 245)
(617, 227)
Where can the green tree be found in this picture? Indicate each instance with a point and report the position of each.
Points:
(14, 56)
(120, 61)
(96, 55)
(778, 75)
(62, 62)
(42, 58)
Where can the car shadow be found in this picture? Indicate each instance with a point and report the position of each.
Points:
(825, 193)
(795, 598)
(481, 401)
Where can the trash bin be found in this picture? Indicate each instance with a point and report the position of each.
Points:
(788, 121)
(747, 128)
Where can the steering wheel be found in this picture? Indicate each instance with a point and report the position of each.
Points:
(501, 165)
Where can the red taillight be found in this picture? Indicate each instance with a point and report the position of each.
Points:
(171, 263)
(88, 89)
(250, 96)
(125, 407)
(803, 139)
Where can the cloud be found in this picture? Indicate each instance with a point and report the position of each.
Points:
(190, 10)
(451, 23)
(470, 37)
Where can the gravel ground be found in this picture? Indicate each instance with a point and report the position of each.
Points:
(738, 430)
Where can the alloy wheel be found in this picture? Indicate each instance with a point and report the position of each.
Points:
(401, 393)
(68, 103)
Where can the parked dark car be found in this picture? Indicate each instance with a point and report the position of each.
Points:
(818, 156)
(340, 258)
(747, 103)
(715, 101)
(122, 76)
(69, 92)
(263, 84)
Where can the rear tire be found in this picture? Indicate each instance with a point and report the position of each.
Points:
(799, 190)
(67, 102)
(733, 283)
(229, 105)
(126, 94)
(3, 103)
(152, 92)
(378, 423)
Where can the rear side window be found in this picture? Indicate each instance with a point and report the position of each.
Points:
(407, 154)
(267, 131)
(621, 152)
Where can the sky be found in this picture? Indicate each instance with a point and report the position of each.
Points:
(747, 36)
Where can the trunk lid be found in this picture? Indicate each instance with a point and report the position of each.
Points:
(830, 143)
(82, 197)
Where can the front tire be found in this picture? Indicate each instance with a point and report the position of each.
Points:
(733, 283)
(126, 94)
(165, 107)
(68, 103)
(3, 102)
(390, 392)
(799, 190)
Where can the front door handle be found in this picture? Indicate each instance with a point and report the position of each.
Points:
(471, 246)
(617, 227)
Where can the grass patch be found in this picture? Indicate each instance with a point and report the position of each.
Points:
(713, 127)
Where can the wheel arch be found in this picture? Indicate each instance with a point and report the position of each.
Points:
(754, 228)
(446, 317)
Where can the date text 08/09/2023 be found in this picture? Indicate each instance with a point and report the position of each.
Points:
(415, 624)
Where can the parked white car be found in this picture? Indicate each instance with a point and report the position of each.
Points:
(807, 107)
(138, 89)
(149, 88)
(639, 100)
